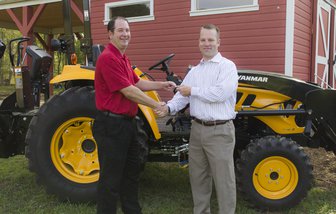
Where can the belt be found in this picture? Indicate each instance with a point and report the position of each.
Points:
(120, 116)
(210, 123)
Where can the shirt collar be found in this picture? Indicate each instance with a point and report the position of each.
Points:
(116, 51)
(216, 58)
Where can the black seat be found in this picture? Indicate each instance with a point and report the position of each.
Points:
(41, 62)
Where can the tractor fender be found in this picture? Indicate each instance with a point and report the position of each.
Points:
(73, 72)
(151, 119)
(78, 72)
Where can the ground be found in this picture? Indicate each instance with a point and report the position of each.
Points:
(324, 164)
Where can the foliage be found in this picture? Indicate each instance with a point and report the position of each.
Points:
(5, 66)
(59, 59)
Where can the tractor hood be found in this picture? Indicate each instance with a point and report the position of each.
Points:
(320, 104)
(283, 84)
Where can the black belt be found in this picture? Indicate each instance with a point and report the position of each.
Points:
(210, 123)
(120, 116)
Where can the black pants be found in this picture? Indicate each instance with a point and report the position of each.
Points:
(119, 164)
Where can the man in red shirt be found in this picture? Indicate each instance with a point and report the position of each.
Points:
(118, 92)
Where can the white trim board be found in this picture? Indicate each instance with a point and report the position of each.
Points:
(289, 39)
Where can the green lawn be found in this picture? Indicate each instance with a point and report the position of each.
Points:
(164, 189)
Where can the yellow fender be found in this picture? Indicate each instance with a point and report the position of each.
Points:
(75, 72)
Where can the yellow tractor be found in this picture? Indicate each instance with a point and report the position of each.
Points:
(277, 116)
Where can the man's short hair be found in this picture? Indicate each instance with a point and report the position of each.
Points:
(111, 23)
(210, 27)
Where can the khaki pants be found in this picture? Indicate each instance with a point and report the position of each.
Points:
(211, 157)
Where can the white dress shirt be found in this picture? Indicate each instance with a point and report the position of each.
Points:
(213, 90)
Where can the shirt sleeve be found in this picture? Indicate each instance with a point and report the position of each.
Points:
(116, 75)
(227, 83)
(178, 102)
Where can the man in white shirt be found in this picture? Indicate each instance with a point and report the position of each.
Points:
(210, 88)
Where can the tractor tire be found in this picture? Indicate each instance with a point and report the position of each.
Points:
(142, 141)
(61, 148)
(274, 173)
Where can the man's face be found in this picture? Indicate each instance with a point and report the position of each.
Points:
(208, 43)
(121, 35)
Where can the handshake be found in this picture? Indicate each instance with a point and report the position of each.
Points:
(161, 110)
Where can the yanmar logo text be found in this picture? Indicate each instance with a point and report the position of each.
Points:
(253, 78)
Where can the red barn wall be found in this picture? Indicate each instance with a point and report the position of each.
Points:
(302, 39)
(253, 40)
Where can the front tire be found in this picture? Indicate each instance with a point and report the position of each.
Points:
(274, 173)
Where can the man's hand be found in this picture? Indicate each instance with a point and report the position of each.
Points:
(184, 90)
(169, 86)
(161, 110)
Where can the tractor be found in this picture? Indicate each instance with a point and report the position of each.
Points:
(277, 116)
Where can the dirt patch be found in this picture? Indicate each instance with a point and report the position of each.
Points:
(324, 164)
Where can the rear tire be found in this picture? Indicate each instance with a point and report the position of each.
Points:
(274, 173)
(61, 149)
(142, 140)
(60, 145)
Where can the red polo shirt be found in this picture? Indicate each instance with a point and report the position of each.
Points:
(113, 73)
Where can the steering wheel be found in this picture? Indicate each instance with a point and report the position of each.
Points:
(164, 62)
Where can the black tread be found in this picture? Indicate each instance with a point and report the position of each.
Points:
(142, 140)
(265, 147)
(77, 101)
(73, 102)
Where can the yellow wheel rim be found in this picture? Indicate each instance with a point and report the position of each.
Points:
(275, 177)
(74, 151)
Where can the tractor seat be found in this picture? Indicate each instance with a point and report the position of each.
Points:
(41, 62)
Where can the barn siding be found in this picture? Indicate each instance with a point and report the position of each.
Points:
(253, 40)
(302, 39)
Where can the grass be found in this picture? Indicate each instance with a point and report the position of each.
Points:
(164, 189)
